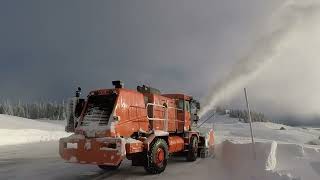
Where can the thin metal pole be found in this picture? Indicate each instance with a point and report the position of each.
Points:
(250, 122)
(213, 115)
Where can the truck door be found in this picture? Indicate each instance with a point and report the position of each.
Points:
(183, 115)
(180, 115)
(187, 116)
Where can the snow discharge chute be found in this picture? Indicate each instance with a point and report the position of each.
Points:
(266, 48)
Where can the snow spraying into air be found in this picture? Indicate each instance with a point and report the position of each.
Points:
(264, 51)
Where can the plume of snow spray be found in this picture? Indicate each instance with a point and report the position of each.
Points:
(265, 50)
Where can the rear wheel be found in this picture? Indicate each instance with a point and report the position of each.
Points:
(157, 157)
(193, 149)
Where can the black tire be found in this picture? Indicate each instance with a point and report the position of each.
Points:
(157, 157)
(204, 153)
(192, 153)
(109, 168)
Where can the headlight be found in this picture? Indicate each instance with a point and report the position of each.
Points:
(72, 145)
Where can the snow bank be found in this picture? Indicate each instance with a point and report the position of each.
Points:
(16, 130)
(314, 142)
(301, 161)
(244, 163)
(273, 161)
(22, 136)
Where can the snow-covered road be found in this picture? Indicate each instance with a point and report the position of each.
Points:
(41, 161)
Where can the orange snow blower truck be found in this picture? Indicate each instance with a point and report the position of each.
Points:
(143, 126)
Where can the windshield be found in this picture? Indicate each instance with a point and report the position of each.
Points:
(99, 109)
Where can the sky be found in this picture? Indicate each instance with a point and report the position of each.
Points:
(48, 48)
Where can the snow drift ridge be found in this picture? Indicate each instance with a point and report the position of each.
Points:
(274, 161)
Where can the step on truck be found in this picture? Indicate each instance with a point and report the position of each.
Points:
(142, 125)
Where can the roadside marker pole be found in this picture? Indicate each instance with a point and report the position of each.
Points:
(250, 122)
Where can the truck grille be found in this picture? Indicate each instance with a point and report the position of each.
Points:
(99, 110)
(101, 116)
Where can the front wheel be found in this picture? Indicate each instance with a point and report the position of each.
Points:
(157, 157)
(193, 149)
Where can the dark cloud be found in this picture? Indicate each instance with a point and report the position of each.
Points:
(49, 47)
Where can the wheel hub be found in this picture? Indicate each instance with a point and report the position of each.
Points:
(160, 156)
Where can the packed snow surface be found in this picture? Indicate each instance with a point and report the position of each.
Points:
(276, 155)
(16, 130)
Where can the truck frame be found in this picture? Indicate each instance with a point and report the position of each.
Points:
(143, 126)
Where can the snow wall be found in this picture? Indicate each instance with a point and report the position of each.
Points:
(238, 162)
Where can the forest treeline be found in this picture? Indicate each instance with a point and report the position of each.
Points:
(40, 110)
(242, 115)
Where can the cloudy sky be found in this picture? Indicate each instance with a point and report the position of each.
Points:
(48, 48)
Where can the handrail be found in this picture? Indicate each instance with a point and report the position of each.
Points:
(165, 121)
(166, 118)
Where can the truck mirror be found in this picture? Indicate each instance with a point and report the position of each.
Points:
(78, 92)
(195, 118)
(79, 107)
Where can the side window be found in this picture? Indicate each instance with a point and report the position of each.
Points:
(187, 106)
(180, 104)
(193, 108)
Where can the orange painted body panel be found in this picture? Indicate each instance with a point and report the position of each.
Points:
(183, 117)
(176, 144)
(130, 107)
(177, 96)
(92, 151)
(178, 120)
(160, 112)
(134, 147)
